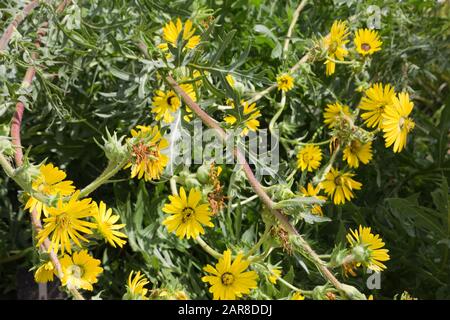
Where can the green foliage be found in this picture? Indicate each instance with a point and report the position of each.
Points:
(93, 74)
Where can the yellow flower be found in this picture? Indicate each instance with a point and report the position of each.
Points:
(298, 296)
(309, 157)
(44, 273)
(228, 280)
(50, 182)
(376, 99)
(251, 113)
(340, 185)
(172, 30)
(106, 224)
(333, 113)
(186, 214)
(167, 103)
(357, 151)
(367, 248)
(367, 41)
(65, 222)
(311, 191)
(136, 285)
(396, 122)
(146, 158)
(80, 271)
(334, 43)
(275, 273)
(285, 82)
(230, 80)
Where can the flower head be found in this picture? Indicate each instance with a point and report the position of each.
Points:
(135, 287)
(333, 113)
(167, 103)
(309, 158)
(334, 43)
(230, 80)
(396, 122)
(275, 273)
(147, 160)
(356, 152)
(171, 32)
(367, 248)
(228, 280)
(187, 215)
(377, 97)
(80, 271)
(298, 296)
(45, 272)
(339, 185)
(367, 41)
(311, 191)
(106, 224)
(65, 222)
(250, 122)
(50, 182)
(285, 82)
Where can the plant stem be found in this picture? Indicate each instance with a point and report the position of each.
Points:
(263, 238)
(207, 248)
(110, 170)
(290, 286)
(292, 25)
(250, 199)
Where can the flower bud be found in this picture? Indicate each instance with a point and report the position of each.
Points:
(203, 173)
(114, 150)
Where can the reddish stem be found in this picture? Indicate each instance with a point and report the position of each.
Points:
(15, 23)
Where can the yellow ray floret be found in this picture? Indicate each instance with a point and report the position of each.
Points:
(107, 226)
(80, 271)
(66, 222)
(377, 97)
(228, 279)
(339, 185)
(309, 158)
(171, 32)
(368, 248)
(187, 215)
(396, 122)
(50, 182)
(147, 161)
(367, 41)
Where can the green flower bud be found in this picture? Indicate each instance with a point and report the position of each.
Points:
(360, 253)
(192, 182)
(203, 173)
(114, 149)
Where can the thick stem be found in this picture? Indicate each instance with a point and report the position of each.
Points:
(4, 40)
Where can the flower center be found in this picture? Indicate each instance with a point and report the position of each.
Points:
(354, 146)
(338, 181)
(307, 157)
(170, 100)
(333, 47)
(63, 221)
(406, 123)
(227, 279)
(75, 271)
(142, 152)
(365, 46)
(187, 213)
